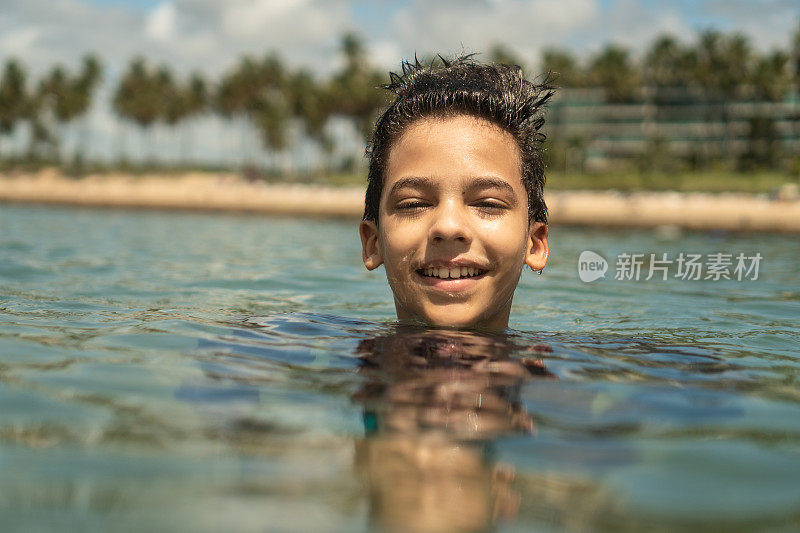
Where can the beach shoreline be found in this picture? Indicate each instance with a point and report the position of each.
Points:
(230, 192)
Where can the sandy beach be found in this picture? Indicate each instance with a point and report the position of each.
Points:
(229, 192)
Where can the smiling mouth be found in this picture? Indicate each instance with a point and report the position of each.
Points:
(451, 273)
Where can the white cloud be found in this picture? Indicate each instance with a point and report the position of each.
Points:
(525, 26)
(251, 18)
(18, 42)
(67, 29)
(160, 24)
(210, 35)
(630, 24)
(386, 53)
(187, 34)
(768, 23)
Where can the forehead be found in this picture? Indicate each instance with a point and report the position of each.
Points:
(454, 148)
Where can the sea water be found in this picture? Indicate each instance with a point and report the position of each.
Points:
(207, 372)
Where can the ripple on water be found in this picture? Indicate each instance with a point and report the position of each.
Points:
(180, 371)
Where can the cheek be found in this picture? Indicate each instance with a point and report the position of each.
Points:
(397, 244)
(508, 242)
(396, 254)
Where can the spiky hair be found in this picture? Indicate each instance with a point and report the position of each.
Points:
(499, 94)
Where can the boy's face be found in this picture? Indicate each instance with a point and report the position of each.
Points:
(453, 231)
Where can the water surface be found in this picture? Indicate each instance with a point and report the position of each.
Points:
(206, 372)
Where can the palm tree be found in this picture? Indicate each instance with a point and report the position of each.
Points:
(354, 87)
(500, 54)
(62, 98)
(84, 88)
(311, 105)
(738, 64)
(172, 108)
(612, 70)
(271, 120)
(53, 102)
(138, 97)
(795, 55)
(723, 64)
(236, 95)
(272, 107)
(707, 52)
(562, 66)
(664, 63)
(197, 93)
(771, 76)
(795, 72)
(353, 49)
(14, 100)
(179, 101)
(724, 67)
(257, 93)
(195, 100)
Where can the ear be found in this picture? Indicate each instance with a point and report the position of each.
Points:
(536, 256)
(370, 248)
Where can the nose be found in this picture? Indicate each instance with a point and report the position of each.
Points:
(450, 224)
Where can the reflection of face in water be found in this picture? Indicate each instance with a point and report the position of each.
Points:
(433, 402)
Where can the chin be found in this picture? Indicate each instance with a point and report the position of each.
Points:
(457, 316)
(452, 319)
(459, 324)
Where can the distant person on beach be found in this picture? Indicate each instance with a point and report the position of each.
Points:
(454, 207)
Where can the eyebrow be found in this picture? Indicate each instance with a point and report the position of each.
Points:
(413, 182)
(491, 183)
(430, 183)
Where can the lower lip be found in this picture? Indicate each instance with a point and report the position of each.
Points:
(450, 284)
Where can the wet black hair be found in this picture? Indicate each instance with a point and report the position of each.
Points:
(499, 94)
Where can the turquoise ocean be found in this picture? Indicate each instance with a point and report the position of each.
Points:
(208, 372)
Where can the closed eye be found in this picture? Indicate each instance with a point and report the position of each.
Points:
(411, 205)
(490, 205)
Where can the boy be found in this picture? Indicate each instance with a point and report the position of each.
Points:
(454, 207)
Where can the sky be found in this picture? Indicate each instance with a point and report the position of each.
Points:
(210, 35)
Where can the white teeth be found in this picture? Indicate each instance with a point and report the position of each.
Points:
(451, 273)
